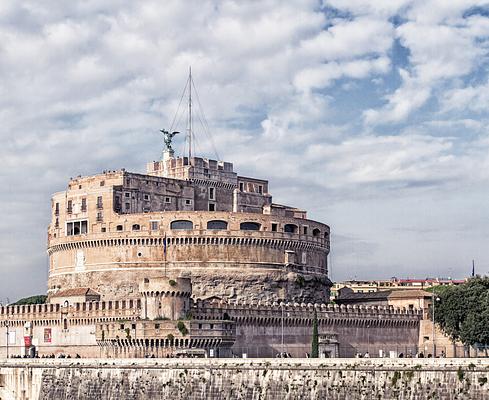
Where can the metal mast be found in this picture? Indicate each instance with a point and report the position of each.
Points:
(190, 115)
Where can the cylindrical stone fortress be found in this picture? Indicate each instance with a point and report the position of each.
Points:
(110, 231)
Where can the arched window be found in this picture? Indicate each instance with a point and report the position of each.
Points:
(326, 235)
(316, 232)
(290, 228)
(249, 226)
(136, 227)
(182, 224)
(216, 224)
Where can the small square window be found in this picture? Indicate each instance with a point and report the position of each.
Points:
(102, 183)
(119, 227)
(133, 326)
(212, 207)
(274, 227)
(188, 202)
(122, 326)
(146, 197)
(167, 200)
(157, 326)
(104, 229)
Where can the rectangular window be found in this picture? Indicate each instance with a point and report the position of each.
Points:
(100, 217)
(69, 209)
(77, 228)
(56, 209)
(274, 227)
(127, 194)
(260, 189)
(241, 187)
(304, 229)
(157, 326)
(212, 207)
(128, 206)
(84, 204)
(188, 202)
(154, 225)
(304, 257)
(146, 197)
(212, 193)
(167, 200)
(100, 203)
(102, 183)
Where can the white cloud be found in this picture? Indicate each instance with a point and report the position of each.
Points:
(442, 47)
(86, 85)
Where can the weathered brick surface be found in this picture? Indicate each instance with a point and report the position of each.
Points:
(272, 379)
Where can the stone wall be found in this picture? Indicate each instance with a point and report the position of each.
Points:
(252, 264)
(273, 379)
(272, 328)
(71, 329)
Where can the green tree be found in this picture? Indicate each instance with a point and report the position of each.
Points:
(463, 311)
(315, 337)
(39, 299)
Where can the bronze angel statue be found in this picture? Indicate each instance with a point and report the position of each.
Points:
(167, 138)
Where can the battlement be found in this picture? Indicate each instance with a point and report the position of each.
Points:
(102, 309)
(266, 312)
(109, 308)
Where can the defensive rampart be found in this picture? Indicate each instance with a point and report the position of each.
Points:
(275, 379)
(262, 329)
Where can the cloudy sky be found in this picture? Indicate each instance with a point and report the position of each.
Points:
(373, 115)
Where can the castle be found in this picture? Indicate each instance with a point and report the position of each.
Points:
(191, 258)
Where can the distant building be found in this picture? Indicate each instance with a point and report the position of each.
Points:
(364, 286)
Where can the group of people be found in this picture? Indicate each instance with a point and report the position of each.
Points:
(402, 355)
(46, 356)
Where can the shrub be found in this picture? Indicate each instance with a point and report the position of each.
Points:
(182, 328)
(300, 281)
(172, 282)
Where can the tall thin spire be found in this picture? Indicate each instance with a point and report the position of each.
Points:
(190, 114)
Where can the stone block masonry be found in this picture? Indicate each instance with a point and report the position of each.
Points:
(273, 379)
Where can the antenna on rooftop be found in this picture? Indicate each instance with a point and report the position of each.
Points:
(189, 134)
(190, 138)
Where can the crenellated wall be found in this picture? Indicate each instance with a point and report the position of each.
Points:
(265, 329)
(259, 325)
